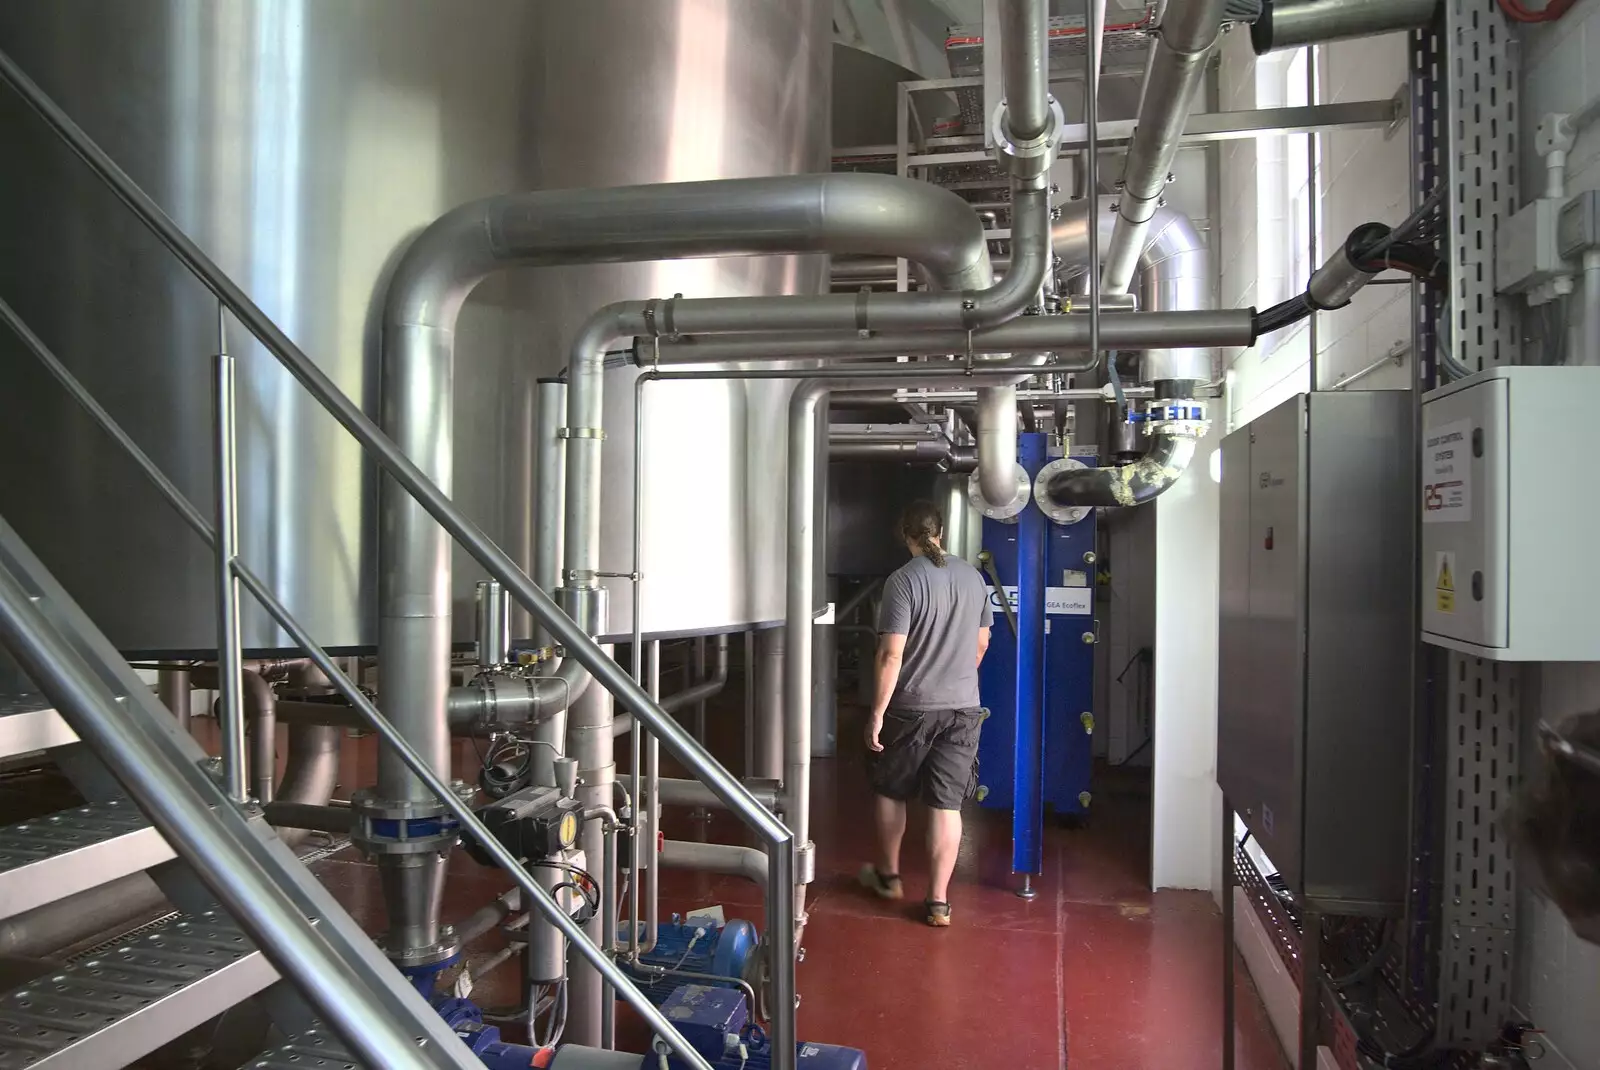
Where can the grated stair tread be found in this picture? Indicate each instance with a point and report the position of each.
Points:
(116, 1007)
(315, 1049)
(49, 858)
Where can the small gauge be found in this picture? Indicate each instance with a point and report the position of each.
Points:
(567, 832)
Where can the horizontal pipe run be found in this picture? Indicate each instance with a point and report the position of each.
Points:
(294, 815)
(726, 858)
(678, 792)
(488, 916)
(1132, 330)
(1296, 23)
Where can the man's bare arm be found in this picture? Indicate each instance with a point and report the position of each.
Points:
(891, 648)
(983, 643)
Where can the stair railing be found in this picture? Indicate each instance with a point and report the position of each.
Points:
(774, 834)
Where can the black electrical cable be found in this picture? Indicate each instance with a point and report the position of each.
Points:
(589, 888)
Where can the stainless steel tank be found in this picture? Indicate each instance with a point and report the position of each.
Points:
(302, 144)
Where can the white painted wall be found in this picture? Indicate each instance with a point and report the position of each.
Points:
(1186, 841)
(1558, 975)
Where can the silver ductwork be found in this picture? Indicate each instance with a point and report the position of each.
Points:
(1188, 31)
(825, 213)
(1296, 23)
(1174, 276)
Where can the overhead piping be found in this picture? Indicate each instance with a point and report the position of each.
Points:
(1187, 33)
(1296, 23)
(1174, 276)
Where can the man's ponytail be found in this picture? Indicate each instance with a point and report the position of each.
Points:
(923, 526)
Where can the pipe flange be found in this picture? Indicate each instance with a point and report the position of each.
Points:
(447, 948)
(1178, 417)
(401, 827)
(1008, 513)
(1029, 159)
(1059, 514)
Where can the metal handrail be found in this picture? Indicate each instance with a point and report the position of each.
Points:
(352, 694)
(293, 919)
(495, 561)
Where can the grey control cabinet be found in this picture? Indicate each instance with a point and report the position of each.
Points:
(1318, 641)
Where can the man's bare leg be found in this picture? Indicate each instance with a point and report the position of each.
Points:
(890, 816)
(944, 843)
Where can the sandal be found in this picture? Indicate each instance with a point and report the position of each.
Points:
(883, 885)
(938, 914)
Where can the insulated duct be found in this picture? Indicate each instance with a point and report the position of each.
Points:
(1296, 23)
(1174, 272)
(1188, 31)
(1128, 484)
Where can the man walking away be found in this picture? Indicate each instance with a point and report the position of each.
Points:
(922, 737)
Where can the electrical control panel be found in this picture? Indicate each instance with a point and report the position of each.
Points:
(1510, 555)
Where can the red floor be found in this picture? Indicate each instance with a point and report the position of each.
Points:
(1097, 973)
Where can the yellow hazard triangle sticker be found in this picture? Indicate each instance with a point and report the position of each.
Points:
(1445, 583)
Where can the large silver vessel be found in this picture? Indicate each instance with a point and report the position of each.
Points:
(302, 144)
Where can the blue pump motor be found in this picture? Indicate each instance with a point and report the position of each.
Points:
(725, 950)
(716, 1023)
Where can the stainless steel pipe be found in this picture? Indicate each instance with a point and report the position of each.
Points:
(1188, 31)
(1127, 330)
(1025, 74)
(678, 792)
(726, 858)
(225, 483)
(549, 472)
(172, 685)
(1296, 23)
(771, 657)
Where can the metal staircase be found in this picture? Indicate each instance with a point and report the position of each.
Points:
(52, 857)
(250, 912)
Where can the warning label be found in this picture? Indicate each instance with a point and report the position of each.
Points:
(1447, 473)
(1444, 582)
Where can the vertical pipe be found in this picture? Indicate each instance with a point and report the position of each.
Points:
(1095, 22)
(1028, 770)
(700, 678)
(608, 931)
(229, 657)
(262, 725)
(590, 742)
(749, 702)
(771, 654)
(1024, 36)
(549, 472)
(824, 688)
(492, 624)
(653, 793)
(172, 686)
(1312, 250)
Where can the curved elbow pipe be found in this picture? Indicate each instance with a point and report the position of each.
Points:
(1175, 276)
(1188, 32)
(1129, 484)
(726, 858)
(997, 444)
(494, 701)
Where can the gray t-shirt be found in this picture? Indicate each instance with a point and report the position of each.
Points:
(939, 611)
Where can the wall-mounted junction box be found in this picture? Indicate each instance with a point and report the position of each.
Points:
(1510, 515)
(1318, 639)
